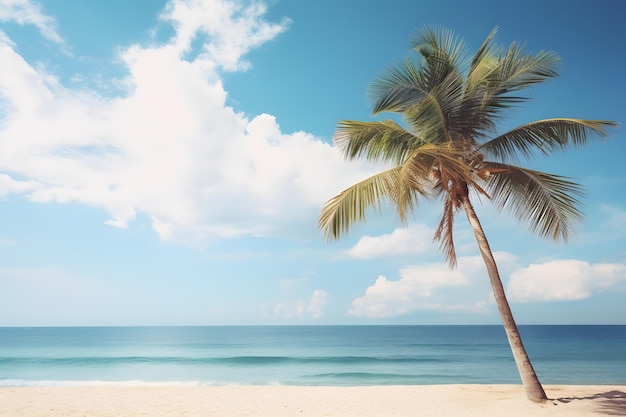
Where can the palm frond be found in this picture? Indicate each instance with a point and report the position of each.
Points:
(385, 140)
(515, 71)
(444, 233)
(547, 203)
(544, 137)
(485, 60)
(341, 212)
(408, 83)
(437, 117)
(518, 70)
(477, 116)
(429, 118)
(396, 89)
(438, 42)
(442, 51)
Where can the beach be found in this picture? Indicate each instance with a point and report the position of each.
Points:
(276, 401)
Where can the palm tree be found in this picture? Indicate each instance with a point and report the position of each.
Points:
(448, 148)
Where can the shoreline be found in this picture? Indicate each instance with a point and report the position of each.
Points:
(313, 401)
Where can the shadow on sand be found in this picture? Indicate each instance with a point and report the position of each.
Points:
(610, 403)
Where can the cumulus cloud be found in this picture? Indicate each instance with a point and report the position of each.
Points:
(435, 287)
(427, 287)
(170, 147)
(26, 12)
(564, 280)
(414, 239)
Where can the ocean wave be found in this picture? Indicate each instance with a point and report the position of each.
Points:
(232, 360)
(98, 383)
(366, 378)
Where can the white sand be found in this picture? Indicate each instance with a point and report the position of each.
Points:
(278, 401)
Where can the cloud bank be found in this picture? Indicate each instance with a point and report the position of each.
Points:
(436, 287)
(169, 148)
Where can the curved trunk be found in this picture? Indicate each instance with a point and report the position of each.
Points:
(534, 390)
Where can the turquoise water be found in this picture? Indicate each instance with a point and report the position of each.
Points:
(307, 355)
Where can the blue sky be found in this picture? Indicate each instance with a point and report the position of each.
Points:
(164, 163)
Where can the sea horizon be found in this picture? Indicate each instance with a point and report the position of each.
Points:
(316, 355)
(297, 325)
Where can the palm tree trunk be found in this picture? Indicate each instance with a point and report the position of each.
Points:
(534, 390)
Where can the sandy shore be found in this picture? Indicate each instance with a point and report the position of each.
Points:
(278, 401)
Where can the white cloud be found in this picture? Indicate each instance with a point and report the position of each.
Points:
(301, 308)
(26, 12)
(435, 287)
(428, 287)
(414, 239)
(564, 280)
(170, 148)
(234, 29)
(8, 185)
(317, 303)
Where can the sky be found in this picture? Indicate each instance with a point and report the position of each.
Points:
(165, 163)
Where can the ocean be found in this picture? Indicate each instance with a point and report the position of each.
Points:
(306, 355)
